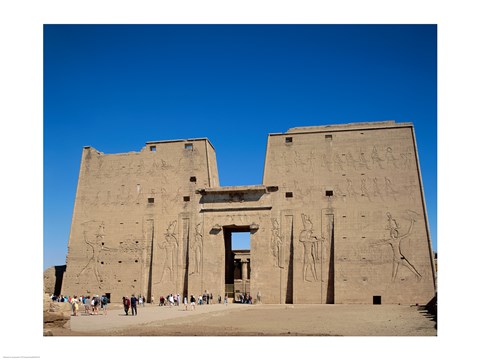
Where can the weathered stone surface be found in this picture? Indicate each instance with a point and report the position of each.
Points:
(340, 218)
(49, 280)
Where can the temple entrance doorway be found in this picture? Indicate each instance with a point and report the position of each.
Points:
(237, 263)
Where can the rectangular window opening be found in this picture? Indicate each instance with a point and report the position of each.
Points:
(377, 300)
(186, 198)
(193, 179)
(329, 193)
(328, 137)
(153, 148)
(189, 146)
(151, 200)
(289, 194)
(288, 140)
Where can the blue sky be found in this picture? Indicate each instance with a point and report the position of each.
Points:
(115, 87)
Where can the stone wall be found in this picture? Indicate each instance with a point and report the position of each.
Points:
(340, 218)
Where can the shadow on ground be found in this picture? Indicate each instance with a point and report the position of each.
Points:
(430, 310)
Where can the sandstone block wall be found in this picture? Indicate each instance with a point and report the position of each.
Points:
(340, 218)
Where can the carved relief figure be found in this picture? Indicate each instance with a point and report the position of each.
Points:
(309, 166)
(197, 250)
(411, 189)
(337, 192)
(376, 188)
(390, 158)
(338, 161)
(351, 161)
(389, 190)
(363, 189)
(154, 169)
(128, 198)
(277, 244)
(96, 246)
(407, 159)
(376, 158)
(362, 161)
(310, 249)
(170, 247)
(350, 190)
(395, 243)
(299, 190)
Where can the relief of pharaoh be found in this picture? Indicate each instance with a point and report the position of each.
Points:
(310, 249)
(170, 246)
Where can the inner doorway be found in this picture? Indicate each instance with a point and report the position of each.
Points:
(237, 263)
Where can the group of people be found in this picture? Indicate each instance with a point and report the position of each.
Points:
(131, 303)
(176, 300)
(245, 298)
(91, 304)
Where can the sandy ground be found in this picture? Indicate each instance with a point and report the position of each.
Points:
(250, 320)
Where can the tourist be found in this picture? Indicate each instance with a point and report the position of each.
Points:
(74, 305)
(104, 304)
(88, 305)
(140, 300)
(133, 304)
(219, 299)
(143, 297)
(226, 300)
(192, 302)
(126, 304)
(92, 306)
(185, 302)
(96, 304)
(211, 298)
(179, 299)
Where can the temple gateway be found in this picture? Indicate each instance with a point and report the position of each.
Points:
(339, 219)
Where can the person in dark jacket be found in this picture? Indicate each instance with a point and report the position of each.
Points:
(133, 304)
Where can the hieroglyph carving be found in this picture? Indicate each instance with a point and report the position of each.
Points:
(310, 249)
(197, 250)
(405, 160)
(170, 248)
(395, 243)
